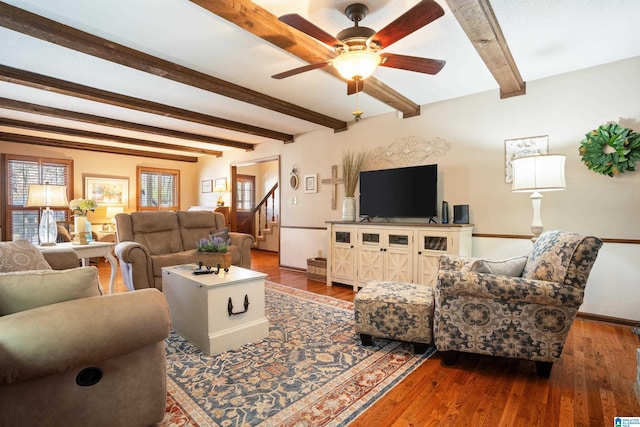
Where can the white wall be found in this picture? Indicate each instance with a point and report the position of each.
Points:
(472, 172)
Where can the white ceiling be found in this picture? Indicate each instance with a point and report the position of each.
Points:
(546, 37)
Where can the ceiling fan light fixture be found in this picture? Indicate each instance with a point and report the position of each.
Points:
(356, 64)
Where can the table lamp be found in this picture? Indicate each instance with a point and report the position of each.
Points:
(46, 195)
(536, 174)
(111, 213)
(220, 189)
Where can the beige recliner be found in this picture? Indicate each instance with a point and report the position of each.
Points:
(70, 356)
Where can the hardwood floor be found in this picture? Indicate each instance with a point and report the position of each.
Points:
(591, 384)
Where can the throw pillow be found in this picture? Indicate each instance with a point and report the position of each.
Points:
(223, 232)
(506, 267)
(21, 255)
(24, 290)
(467, 267)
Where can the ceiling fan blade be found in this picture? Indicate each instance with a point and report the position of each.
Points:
(415, 18)
(299, 70)
(299, 23)
(412, 63)
(353, 88)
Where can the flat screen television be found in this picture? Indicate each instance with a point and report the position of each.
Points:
(399, 193)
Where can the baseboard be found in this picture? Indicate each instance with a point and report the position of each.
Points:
(608, 319)
(286, 267)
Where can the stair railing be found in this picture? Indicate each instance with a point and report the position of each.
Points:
(262, 210)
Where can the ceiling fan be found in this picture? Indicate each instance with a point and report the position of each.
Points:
(358, 48)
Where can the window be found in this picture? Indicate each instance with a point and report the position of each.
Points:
(158, 189)
(245, 189)
(20, 171)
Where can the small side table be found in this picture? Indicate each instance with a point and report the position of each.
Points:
(91, 250)
(224, 210)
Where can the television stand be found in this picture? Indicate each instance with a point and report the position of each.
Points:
(432, 220)
(391, 251)
(366, 219)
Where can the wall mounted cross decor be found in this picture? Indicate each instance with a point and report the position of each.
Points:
(334, 180)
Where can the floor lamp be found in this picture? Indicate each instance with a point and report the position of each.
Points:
(535, 174)
(45, 195)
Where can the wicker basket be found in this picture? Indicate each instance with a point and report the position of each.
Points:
(317, 269)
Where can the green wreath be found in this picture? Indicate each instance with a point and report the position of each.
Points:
(611, 149)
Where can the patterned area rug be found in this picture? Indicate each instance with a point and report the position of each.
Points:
(310, 371)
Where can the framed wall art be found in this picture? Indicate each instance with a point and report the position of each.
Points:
(107, 190)
(207, 186)
(522, 147)
(220, 184)
(311, 183)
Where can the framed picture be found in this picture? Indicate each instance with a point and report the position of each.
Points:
(107, 190)
(220, 184)
(522, 147)
(206, 186)
(311, 183)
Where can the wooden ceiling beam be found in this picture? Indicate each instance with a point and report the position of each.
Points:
(51, 31)
(262, 23)
(104, 137)
(479, 22)
(28, 107)
(59, 143)
(51, 84)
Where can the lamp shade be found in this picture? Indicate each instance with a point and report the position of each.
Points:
(47, 195)
(112, 211)
(539, 173)
(356, 64)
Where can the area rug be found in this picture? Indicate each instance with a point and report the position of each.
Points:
(310, 371)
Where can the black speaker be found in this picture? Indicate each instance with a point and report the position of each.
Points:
(445, 212)
(461, 214)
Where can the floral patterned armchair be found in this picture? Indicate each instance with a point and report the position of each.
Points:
(525, 317)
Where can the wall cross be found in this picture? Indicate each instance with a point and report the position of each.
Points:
(334, 180)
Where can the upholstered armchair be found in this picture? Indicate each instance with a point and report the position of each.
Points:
(526, 314)
(70, 356)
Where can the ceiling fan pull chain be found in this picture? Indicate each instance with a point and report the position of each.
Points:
(357, 115)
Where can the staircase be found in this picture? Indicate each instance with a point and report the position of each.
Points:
(266, 223)
(268, 238)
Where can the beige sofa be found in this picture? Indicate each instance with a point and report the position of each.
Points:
(70, 356)
(148, 241)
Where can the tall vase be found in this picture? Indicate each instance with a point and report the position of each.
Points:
(87, 230)
(80, 229)
(349, 209)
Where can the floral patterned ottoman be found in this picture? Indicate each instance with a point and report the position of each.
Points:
(397, 311)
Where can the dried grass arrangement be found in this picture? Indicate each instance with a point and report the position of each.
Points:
(352, 164)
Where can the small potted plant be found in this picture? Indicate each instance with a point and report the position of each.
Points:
(213, 252)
